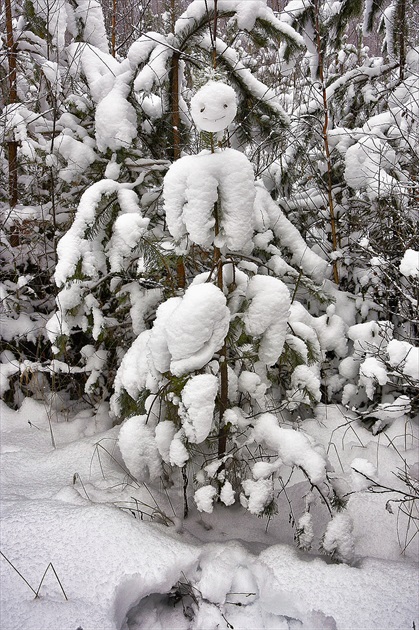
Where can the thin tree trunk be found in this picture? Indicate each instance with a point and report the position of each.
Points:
(326, 143)
(113, 28)
(174, 71)
(174, 95)
(214, 36)
(223, 400)
(12, 144)
(402, 27)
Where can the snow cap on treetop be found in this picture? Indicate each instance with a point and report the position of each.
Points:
(214, 106)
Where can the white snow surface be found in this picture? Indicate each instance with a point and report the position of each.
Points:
(246, 14)
(186, 334)
(204, 498)
(69, 506)
(98, 66)
(293, 447)
(371, 372)
(368, 163)
(268, 215)
(116, 118)
(89, 12)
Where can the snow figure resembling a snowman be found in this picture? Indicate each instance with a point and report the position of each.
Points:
(208, 198)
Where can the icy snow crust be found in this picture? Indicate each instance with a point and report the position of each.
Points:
(61, 506)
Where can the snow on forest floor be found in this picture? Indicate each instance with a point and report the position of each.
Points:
(61, 508)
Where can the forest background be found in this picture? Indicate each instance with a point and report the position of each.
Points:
(266, 371)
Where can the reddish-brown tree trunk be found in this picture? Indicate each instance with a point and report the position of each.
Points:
(330, 200)
(12, 144)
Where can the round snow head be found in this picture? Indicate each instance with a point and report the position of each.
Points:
(214, 106)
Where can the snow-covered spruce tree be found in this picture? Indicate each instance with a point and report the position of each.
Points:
(137, 102)
(203, 385)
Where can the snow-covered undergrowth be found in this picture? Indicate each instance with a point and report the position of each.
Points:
(208, 312)
(121, 557)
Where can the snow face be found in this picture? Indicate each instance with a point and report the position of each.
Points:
(258, 89)
(214, 106)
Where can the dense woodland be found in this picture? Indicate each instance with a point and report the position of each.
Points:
(217, 294)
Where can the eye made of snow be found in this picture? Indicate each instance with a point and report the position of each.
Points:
(214, 106)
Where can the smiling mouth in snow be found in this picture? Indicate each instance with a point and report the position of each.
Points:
(213, 119)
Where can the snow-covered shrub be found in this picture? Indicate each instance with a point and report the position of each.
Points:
(48, 117)
(224, 354)
(215, 311)
(357, 207)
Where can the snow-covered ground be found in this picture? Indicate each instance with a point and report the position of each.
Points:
(73, 508)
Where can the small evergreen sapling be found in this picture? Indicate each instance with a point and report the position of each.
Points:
(205, 373)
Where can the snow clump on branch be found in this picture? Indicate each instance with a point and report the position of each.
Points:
(195, 183)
